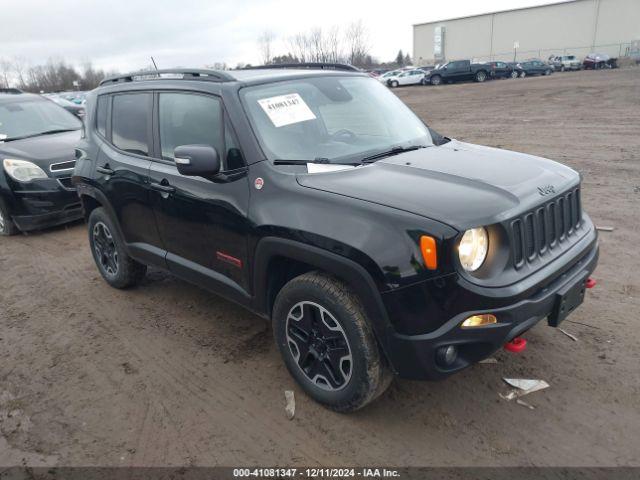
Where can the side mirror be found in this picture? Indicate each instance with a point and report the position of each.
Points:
(197, 160)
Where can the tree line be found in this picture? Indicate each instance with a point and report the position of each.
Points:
(331, 45)
(53, 76)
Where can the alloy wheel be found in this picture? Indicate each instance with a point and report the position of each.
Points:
(319, 346)
(105, 248)
(2, 222)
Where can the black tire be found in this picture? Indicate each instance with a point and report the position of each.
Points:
(514, 74)
(393, 84)
(523, 74)
(117, 268)
(435, 80)
(7, 227)
(357, 374)
(547, 72)
(562, 69)
(423, 81)
(481, 76)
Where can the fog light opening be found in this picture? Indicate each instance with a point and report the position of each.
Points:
(446, 356)
(479, 321)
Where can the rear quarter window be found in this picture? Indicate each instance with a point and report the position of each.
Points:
(130, 114)
(101, 115)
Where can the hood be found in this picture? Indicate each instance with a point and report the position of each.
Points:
(43, 150)
(460, 184)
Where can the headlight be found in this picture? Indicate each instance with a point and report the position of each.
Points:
(473, 248)
(22, 171)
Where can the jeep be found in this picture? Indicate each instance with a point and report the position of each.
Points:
(315, 198)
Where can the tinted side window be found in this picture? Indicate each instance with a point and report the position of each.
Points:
(190, 119)
(101, 115)
(130, 122)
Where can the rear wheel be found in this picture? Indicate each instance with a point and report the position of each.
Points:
(115, 265)
(523, 74)
(393, 84)
(562, 69)
(327, 343)
(481, 76)
(7, 227)
(547, 72)
(514, 74)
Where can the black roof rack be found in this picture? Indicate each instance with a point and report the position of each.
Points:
(187, 74)
(13, 91)
(309, 65)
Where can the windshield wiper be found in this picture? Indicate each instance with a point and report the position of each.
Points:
(389, 153)
(320, 160)
(46, 132)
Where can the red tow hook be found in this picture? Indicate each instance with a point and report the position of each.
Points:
(516, 345)
(590, 283)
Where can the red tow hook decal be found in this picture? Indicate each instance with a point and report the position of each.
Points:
(516, 345)
(590, 283)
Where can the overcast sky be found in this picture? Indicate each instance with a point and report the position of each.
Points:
(122, 34)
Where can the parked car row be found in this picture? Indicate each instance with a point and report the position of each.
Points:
(465, 70)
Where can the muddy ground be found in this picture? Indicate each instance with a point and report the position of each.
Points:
(168, 374)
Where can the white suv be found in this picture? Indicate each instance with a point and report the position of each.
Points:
(566, 62)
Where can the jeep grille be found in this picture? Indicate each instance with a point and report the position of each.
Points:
(545, 227)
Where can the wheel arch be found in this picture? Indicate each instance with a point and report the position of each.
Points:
(92, 198)
(289, 258)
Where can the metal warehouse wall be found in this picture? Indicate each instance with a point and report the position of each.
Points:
(577, 27)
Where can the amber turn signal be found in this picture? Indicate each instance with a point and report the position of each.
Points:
(429, 254)
(479, 320)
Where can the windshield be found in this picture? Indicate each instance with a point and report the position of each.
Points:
(330, 118)
(27, 117)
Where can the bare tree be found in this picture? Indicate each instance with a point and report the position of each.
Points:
(357, 43)
(333, 45)
(265, 42)
(299, 45)
(5, 73)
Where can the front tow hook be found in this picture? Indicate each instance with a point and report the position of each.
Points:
(516, 345)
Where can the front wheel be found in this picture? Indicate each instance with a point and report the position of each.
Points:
(547, 72)
(481, 76)
(523, 74)
(7, 227)
(327, 343)
(115, 265)
(514, 74)
(436, 80)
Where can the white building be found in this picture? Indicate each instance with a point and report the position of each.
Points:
(574, 27)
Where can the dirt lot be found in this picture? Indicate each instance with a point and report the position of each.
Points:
(168, 374)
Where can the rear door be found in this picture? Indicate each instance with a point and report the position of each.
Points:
(202, 222)
(122, 169)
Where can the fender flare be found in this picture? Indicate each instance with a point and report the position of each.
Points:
(101, 198)
(344, 268)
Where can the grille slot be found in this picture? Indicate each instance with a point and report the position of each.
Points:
(538, 231)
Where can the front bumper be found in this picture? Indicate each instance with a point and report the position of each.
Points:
(44, 203)
(414, 356)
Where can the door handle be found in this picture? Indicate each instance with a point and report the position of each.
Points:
(162, 188)
(106, 170)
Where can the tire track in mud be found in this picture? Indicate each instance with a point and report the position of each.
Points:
(216, 398)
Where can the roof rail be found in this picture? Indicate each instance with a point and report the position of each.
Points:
(309, 65)
(187, 74)
(12, 91)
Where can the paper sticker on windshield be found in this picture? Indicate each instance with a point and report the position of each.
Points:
(286, 109)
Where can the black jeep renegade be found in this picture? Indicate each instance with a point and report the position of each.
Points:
(318, 200)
